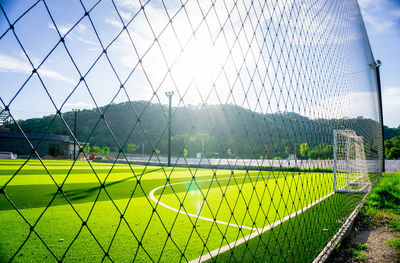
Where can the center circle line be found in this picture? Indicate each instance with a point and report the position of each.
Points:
(152, 197)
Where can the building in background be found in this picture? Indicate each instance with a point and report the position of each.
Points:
(51, 145)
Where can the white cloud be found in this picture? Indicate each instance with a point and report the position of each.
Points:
(348, 105)
(113, 22)
(78, 33)
(125, 15)
(12, 64)
(364, 104)
(63, 29)
(377, 16)
(379, 25)
(78, 105)
(129, 4)
(81, 28)
(365, 3)
(391, 106)
(55, 75)
(396, 12)
(84, 40)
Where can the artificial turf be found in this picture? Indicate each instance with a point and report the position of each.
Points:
(103, 211)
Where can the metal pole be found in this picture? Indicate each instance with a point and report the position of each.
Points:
(348, 161)
(378, 82)
(169, 94)
(334, 159)
(75, 113)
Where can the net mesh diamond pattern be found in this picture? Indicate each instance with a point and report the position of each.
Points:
(181, 131)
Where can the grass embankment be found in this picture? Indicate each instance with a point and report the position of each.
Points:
(381, 211)
(86, 221)
(383, 205)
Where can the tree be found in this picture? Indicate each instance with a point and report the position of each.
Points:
(392, 148)
(106, 150)
(247, 127)
(96, 149)
(268, 153)
(321, 152)
(304, 149)
(131, 148)
(86, 148)
(394, 153)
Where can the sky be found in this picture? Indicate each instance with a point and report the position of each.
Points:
(150, 58)
(382, 21)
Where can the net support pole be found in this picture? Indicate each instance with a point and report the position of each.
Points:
(347, 161)
(334, 160)
(378, 64)
(169, 94)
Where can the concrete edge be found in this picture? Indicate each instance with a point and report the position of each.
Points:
(324, 255)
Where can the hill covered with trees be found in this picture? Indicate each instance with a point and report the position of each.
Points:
(228, 130)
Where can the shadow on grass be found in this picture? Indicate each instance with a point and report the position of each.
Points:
(31, 196)
(79, 194)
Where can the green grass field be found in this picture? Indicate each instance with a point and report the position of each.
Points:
(120, 222)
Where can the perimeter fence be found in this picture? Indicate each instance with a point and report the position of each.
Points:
(181, 131)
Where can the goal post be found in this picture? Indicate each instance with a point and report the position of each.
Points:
(350, 171)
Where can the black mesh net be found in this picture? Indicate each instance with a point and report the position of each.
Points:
(182, 130)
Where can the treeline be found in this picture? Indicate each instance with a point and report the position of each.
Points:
(392, 148)
(389, 133)
(214, 130)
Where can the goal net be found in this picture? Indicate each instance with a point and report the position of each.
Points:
(350, 166)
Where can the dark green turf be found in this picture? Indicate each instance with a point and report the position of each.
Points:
(142, 234)
(299, 239)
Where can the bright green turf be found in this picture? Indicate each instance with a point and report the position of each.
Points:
(237, 201)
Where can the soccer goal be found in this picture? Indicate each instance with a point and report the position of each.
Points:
(350, 171)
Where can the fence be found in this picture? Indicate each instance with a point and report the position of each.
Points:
(227, 107)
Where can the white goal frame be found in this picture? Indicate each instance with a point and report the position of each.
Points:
(351, 137)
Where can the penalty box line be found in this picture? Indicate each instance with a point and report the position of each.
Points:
(258, 231)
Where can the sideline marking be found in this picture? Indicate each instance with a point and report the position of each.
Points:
(233, 244)
(223, 249)
(258, 231)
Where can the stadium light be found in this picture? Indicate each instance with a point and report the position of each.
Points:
(169, 94)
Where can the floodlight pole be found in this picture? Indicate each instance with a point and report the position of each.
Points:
(378, 64)
(169, 94)
(75, 114)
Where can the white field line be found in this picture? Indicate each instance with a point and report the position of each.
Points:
(223, 249)
(258, 232)
(254, 234)
(151, 194)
